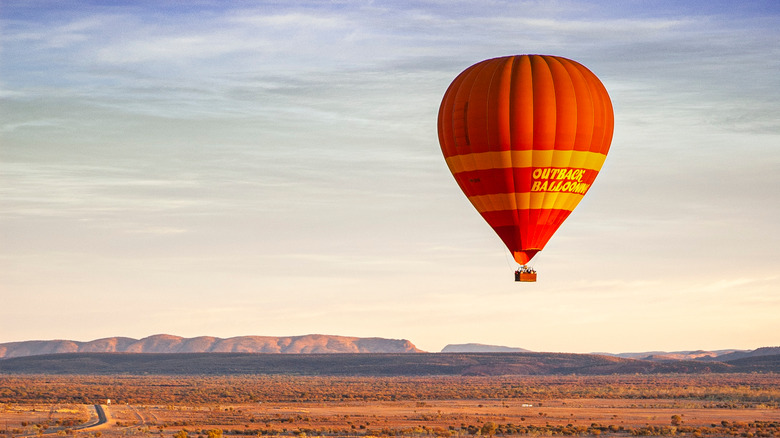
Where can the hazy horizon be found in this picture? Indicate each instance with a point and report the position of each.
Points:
(314, 340)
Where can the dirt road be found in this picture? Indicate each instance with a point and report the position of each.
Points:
(102, 419)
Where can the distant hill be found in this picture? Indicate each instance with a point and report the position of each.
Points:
(696, 355)
(377, 364)
(700, 355)
(674, 355)
(745, 354)
(310, 344)
(481, 348)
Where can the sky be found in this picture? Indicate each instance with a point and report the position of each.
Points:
(272, 168)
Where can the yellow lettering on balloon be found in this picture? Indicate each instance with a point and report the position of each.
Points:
(550, 179)
(580, 188)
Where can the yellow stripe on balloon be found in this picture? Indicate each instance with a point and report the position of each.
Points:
(527, 200)
(518, 159)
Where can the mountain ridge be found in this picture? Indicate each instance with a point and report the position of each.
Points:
(659, 356)
(162, 343)
(700, 355)
(319, 344)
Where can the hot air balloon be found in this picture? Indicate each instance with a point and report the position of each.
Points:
(525, 137)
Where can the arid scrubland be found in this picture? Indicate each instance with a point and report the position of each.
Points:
(743, 405)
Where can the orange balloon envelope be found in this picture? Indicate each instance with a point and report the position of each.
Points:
(525, 137)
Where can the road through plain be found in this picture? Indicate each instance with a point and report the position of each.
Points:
(100, 422)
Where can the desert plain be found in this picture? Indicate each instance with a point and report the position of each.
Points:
(714, 405)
